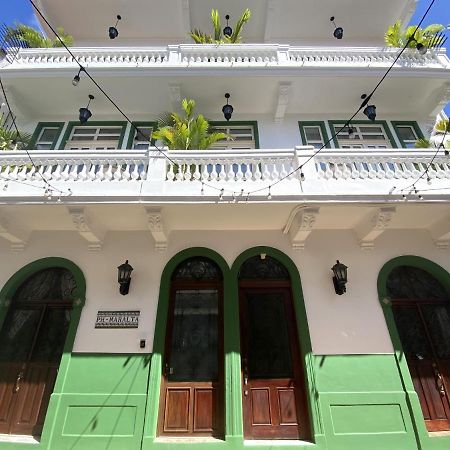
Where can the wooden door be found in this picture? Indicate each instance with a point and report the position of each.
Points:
(424, 329)
(191, 390)
(31, 344)
(274, 398)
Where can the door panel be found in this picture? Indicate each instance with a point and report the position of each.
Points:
(274, 402)
(421, 328)
(191, 384)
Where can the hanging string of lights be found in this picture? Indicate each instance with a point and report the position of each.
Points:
(83, 69)
(368, 110)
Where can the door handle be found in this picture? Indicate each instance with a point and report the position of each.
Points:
(439, 381)
(17, 383)
(245, 370)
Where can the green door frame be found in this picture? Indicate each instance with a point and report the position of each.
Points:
(232, 380)
(412, 399)
(6, 296)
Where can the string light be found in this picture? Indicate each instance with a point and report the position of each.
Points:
(302, 176)
(203, 189)
(221, 194)
(269, 195)
(367, 98)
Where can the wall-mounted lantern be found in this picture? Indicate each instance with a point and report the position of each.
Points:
(338, 32)
(227, 31)
(124, 277)
(113, 31)
(85, 113)
(339, 277)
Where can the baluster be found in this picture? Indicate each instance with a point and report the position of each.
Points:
(118, 171)
(329, 170)
(170, 174)
(13, 174)
(91, 174)
(239, 173)
(5, 173)
(214, 173)
(196, 174)
(283, 171)
(109, 173)
(57, 173)
(135, 172)
(126, 173)
(388, 166)
(48, 173)
(266, 171)
(337, 170)
(230, 175)
(30, 173)
(275, 173)
(346, 172)
(100, 173)
(205, 172)
(222, 174)
(65, 172)
(23, 173)
(320, 169)
(257, 175)
(187, 171)
(380, 170)
(180, 175)
(372, 171)
(143, 171)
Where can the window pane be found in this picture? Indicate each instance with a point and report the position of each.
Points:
(115, 131)
(84, 130)
(268, 338)
(194, 350)
(406, 133)
(369, 129)
(437, 318)
(143, 134)
(313, 134)
(48, 134)
(43, 146)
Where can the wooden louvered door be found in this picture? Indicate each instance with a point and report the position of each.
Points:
(31, 344)
(424, 330)
(274, 401)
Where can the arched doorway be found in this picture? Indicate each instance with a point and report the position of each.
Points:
(421, 311)
(32, 341)
(192, 374)
(273, 385)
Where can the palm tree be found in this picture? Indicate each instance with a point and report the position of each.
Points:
(397, 36)
(443, 126)
(186, 132)
(200, 37)
(34, 39)
(12, 140)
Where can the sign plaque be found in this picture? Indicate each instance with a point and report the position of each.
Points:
(117, 319)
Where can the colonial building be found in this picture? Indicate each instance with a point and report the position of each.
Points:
(232, 333)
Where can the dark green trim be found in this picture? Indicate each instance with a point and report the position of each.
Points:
(413, 124)
(152, 408)
(309, 123)
(137, 125)
(252, 123)
(383, 123)
(315, 415)
(93, 124)
(6, 295)
(38, 130)
(441, 442)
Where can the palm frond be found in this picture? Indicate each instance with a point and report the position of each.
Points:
(423, 143)
(442, 126)
(245, 17)
(215, 19)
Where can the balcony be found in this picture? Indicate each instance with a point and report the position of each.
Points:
(146, 175)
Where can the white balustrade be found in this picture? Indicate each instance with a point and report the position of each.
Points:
(239, 55)
(386, 164)
(79, 165)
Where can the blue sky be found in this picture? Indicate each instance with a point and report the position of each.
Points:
(22, 11)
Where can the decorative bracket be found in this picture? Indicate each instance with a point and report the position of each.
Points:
(85, 230)
(156, 227)
(373, 226)
(284, 89)
(301, 227)
(440, 233)
(15, 235)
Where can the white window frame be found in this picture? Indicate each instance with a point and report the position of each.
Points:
(95, 143)
(234, 144)
(364, 142)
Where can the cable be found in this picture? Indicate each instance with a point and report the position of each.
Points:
(83, 69)
(19, 136)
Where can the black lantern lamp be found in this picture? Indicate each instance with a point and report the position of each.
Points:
(227, 31)
(339, 277)
(227, 109)
(113, 32)
(338, 32)
(370, 110)
(85, 114)
(124, 277)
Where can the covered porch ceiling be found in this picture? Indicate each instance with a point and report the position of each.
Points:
(153, 21)
(145, 94)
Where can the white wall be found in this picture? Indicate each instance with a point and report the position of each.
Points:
(349, 324)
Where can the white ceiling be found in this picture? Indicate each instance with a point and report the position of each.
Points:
(292, 21)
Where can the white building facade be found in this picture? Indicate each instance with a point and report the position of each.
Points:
(232, 333)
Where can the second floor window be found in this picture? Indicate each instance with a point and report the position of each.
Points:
(94, 138)
(364, 136)
(142, 138)
(242, 137)
(47, 137)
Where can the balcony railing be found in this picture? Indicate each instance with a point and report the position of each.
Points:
(117, 173)
(237, 55)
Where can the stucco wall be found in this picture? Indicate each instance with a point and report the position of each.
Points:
(349, 324)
